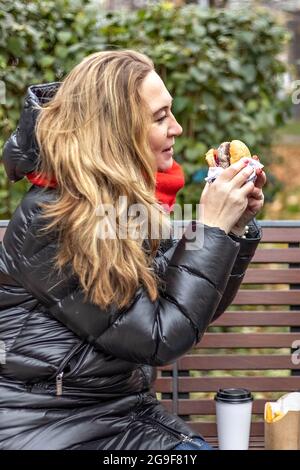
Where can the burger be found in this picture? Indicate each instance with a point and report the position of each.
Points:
(227, 153)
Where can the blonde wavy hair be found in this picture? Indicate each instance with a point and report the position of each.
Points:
(93, 137)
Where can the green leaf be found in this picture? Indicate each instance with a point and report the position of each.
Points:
(180, 103)
(196, 152)
(15, 46)
(249, 72)
(64, 36)
(227, 85)
(231, 85)
(247, 37)
(234, 65)
(61, 51)
(47, 60)
(197, 75)
(189, 168)
(224, 116)
(199, 30)
(252, 106)
(209, 100)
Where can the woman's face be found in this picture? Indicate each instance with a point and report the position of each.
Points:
(164, 127)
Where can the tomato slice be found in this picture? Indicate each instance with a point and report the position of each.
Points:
(216, 158)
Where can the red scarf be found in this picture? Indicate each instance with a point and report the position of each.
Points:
(168, 183)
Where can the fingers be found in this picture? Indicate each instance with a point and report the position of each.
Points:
(247, 189)
(241, 178)
(257, 194)
(205, 189)
(233, 169)
(254, 206)
(261, 179)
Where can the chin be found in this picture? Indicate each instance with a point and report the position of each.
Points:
(166, 165)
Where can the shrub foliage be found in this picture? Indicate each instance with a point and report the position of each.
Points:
(221, 67)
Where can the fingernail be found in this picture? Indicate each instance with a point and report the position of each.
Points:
(259, 171)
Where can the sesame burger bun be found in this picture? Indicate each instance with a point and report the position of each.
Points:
(227, 154)
(238, 150)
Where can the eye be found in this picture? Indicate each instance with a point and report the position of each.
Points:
(161, 119)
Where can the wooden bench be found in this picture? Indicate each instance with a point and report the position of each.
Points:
(250, 346)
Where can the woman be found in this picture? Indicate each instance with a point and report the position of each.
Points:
(86, 318)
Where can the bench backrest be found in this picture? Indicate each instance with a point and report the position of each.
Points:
(251, 345)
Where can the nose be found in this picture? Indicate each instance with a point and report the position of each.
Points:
(175, 128)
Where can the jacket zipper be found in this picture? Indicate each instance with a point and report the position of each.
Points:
(59, 384)
(60, 372)
(177, 434)
(59, 376)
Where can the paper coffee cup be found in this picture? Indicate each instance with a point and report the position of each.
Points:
(233, 411)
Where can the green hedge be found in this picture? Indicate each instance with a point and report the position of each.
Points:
(220, 66)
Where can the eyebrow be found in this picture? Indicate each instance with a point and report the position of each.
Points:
(164, 108)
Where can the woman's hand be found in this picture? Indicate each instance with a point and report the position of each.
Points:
(224, 202)
(255, 203)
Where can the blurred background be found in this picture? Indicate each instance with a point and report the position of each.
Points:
(233, 68)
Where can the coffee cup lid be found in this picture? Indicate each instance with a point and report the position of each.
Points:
(233, 395)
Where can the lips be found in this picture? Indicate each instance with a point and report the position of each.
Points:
(168, 149)
(168, 152)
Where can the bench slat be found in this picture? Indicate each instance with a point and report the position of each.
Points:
(2, 232)
(232, 362)
(259, 318)
(255, 442)
(210, 429)
(278, 235)
(206, 407)
(211, 384)
(267, 297)
(251, 340)
(270, 235)
(272, 276)
(277, 255)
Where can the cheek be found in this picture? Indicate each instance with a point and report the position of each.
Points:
(157, 137)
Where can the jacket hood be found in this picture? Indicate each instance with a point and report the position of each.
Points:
(21, 153)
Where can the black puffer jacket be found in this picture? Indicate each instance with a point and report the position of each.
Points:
(74, 373)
